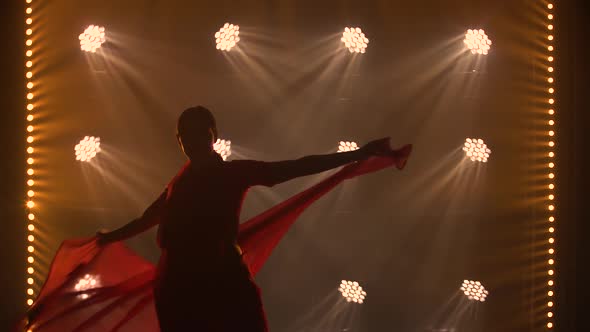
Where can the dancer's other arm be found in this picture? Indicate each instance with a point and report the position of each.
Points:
(271, 173)
(150, 218)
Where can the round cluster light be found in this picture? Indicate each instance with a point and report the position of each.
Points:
(227, 37)
(476, 150)
(86, 283)
(352, 291)
(477, 41)
(474, 290)
(87, 148)
(346, 146)
(354, 39)
(223, 148)
(92, 38)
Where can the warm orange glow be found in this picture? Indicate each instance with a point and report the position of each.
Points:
(551, 186)
(550, 48)
(549, 314)
(30, 107)
(549, 304)
(550, 37)
(551, 207)
(551, 122)
(30, 95)
(29, 21)
(31, 260)
(551, 240)
(30, 302)
(30, 204)
(29, 64)
(551, 175)
(30, 249)
(550, 6)
(550, 272)
(550, 293)
(29, 53)
(30, 128)
(30, 281)
(30, 139)
(29, 32)
(551, 143)
(31, 227)
(31, 238)
(550, 69)
(550, 80)
(29, 42)
(551, 154)
(549, 325)
(550, 59)
(30, 183)
(30, 171)
(30, 270)
(551, 219)
(30, 150)
(550, 27)
(31, 216)
(550, 16)
(29, 74)
(550, 282)
(30, 161)
(29, 10)
(551, 112)
(551, 90)
(551, 197)
(551, 251)
(551, 262)
(551, 133)
(30, 193)
(30, 117)
(30, 291)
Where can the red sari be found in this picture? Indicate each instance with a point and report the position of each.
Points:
(201, 282)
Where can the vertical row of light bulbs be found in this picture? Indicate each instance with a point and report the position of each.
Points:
(550, 167)
(29, 68)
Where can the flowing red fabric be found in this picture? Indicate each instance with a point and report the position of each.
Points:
(95, 288)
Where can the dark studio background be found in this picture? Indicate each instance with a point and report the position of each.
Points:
(572, 122)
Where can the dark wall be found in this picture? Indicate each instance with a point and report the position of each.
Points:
(12, 118)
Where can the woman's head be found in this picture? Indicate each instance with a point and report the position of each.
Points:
(196, 131)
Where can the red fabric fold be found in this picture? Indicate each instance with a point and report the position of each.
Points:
(95, 289)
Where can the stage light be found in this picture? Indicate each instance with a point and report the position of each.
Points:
(476, 150)
(31, 216)
(86, 283)
(29, 74)
(30, 171)
(88, 148)
(30, 95)
(31, 260)
(30, 291)
(31, 238)
(30, 204)
(30, 107)
(92, 38)
(227, 37)
(352, 291)
(29, 21)
(29, 10)
(30, 270)
(30, 150)
(30, 183)
(474, 290)
(30, 117)
(355, 40)
(30, 249)
(477, 41)
(223, 148)
(29, 53)
(346, 146)
(30, 302)
(30, 281)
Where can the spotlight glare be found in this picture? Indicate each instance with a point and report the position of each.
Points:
(88, 148)
(352, 291)
(354, 40)
(477, 41)
(223, 148)
(474, 290)
(86, 283)
(345, 146)
(227, 37)
(92, 38)
(476, 150)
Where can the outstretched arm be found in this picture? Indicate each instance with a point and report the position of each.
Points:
(271, 173)
(148, 219)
